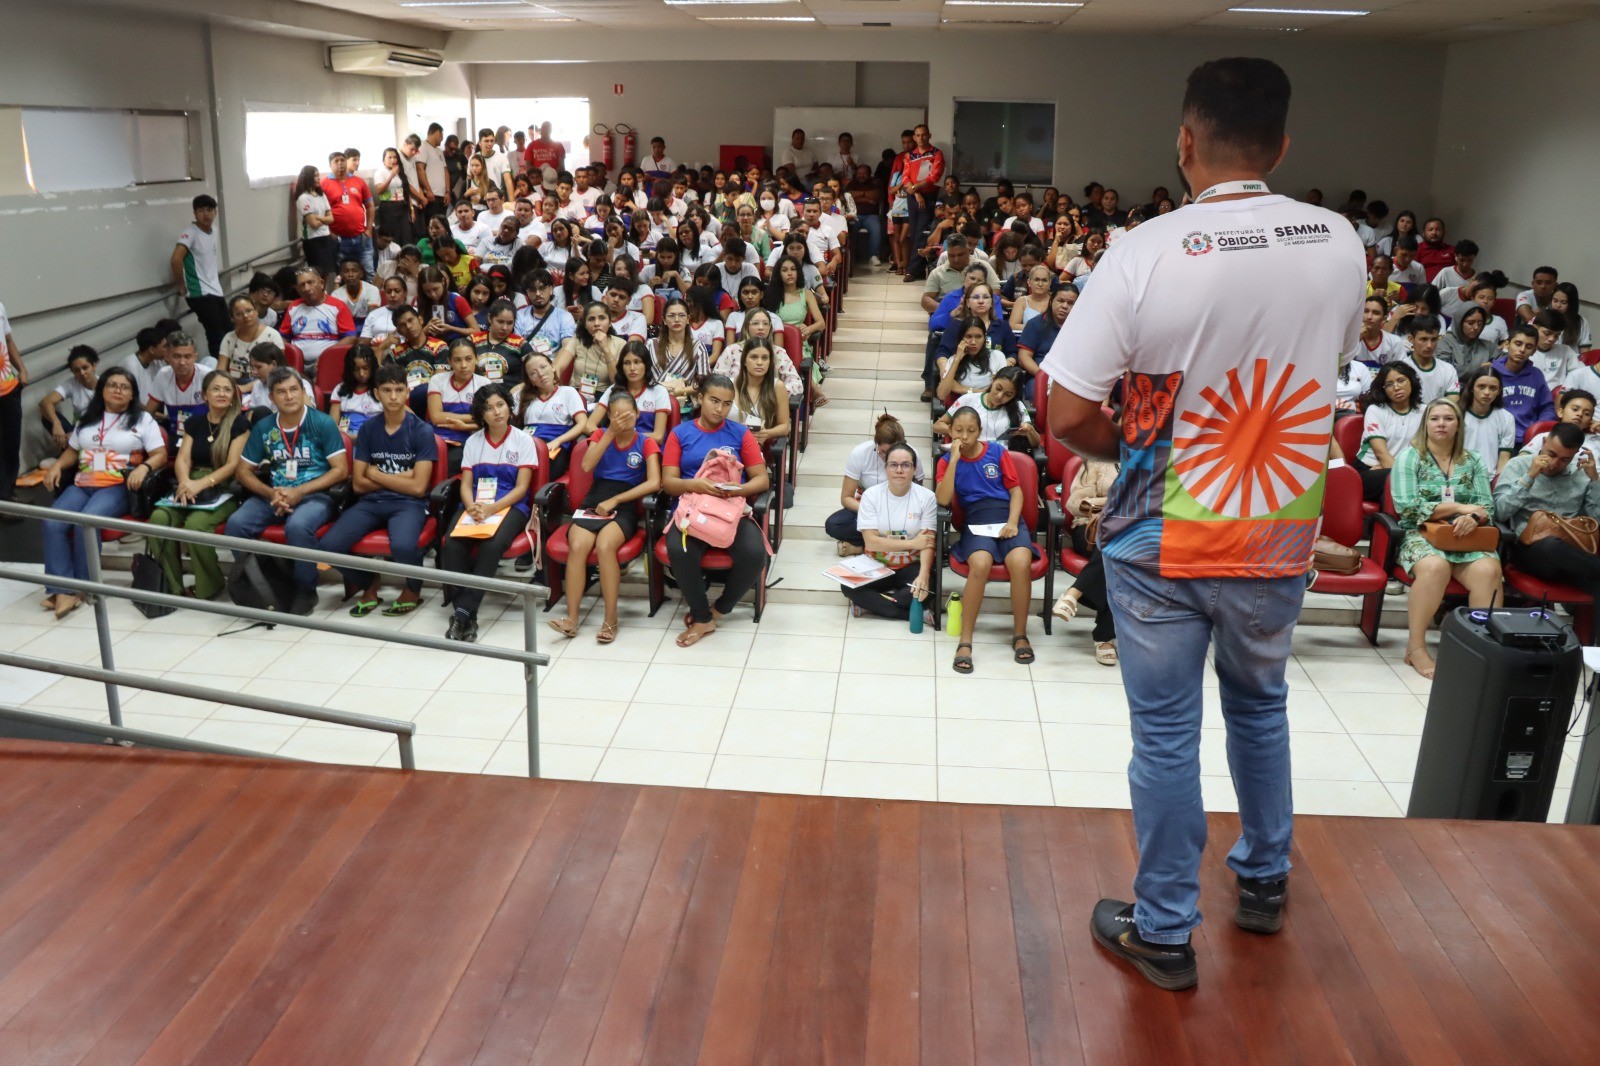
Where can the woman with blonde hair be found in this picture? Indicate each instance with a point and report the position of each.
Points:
(1437, 480)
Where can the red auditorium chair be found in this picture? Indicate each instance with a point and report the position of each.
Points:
(715, 559)
(1342, 521)
(557, 550)
(330, 370)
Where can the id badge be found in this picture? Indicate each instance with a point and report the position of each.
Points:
(291, 469)
(344, 198)
(99, 460)
(1448, 495)
(486, 489)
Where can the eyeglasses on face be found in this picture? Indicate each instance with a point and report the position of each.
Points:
(899, 466)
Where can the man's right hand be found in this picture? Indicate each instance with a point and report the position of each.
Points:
(1540, 464)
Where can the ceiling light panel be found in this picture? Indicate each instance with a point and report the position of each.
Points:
(1332, 12)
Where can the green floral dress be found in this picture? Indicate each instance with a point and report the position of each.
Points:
(1417, 484)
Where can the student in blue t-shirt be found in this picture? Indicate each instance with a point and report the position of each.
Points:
(305, 458)
(980, 476)
(626, 465)
(1040, 333)
(395, 455)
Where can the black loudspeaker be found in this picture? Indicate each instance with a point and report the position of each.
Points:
(1497, 716)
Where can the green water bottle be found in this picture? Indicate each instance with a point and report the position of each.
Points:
(916, 615)
(952, 615)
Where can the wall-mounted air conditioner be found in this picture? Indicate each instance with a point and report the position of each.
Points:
(383, 60)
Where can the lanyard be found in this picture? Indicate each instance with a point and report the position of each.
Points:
(290, 444)
(106, 422)
(1228, 188)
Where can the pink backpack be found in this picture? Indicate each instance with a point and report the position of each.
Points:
(713, 519)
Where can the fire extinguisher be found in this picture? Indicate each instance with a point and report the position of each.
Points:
(630, 144)
(600, 141)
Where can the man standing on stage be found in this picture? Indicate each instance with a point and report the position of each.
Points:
(1217, 320)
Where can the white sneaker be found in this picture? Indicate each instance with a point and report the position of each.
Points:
(874, 261)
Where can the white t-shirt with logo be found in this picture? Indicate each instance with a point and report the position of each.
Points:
(996, 424)
(1488, 437)
(1216, 319)
(1441, 380)
(1557, 363)
(201, 265)
(1382, 422)
(865, 466)
(905, 516)
(1389, 348)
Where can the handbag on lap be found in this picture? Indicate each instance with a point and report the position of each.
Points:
(1441, 534)
(1582, 532)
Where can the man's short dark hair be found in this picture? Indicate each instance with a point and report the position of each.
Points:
(279, 376)
(734, 246)
(1408, 241)
(957, 241)
(1551, 319)
(1567, 435)
(1552, 271)
(1378, 209)
(149, 337)
(434, 127)
(413, 140)
(1576, 394)
(266, 352)
(1424, 324)
(205, 201)
(1466, 247)
(389, 374)
(1243, 105)
(335, 154)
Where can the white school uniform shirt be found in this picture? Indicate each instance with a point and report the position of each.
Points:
(364, 403)
(1488, 437)
(110, 448)
(495, 168)
(653, 400)
(1583, 377)
(1441, 380)
(1495, 331)
(367, 297)
(1035, 223)
(473, 235)
(307, 204)
(1389, 348)
(560, 409)
(491, 222)
(1395, 430)
(996, 424)
(1557, 364)
(76, 395)
(897, 516)
(1411, 275)
(865, 466)
(1349, 390)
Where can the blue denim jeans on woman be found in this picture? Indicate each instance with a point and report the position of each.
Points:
(1163, 628)
(65, 545)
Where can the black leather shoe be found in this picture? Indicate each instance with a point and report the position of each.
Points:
(1261, 903)
(462, 629)
(304, 602)
(1168, 966)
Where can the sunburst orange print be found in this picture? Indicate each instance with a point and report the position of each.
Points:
(1257, 448)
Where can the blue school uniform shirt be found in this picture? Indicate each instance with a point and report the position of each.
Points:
(310, 446)
(396, 453)
(988, 478)
(1039, 334)
(455, 401)
(624, 464)
(501, 461)
(689, 443)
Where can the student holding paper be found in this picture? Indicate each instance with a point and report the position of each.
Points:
(626, 465)
(497, 465)
(897, 519)
(208, 455)
(979, 475)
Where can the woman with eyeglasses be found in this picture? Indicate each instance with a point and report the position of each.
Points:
(896, 521)
(1388, 427)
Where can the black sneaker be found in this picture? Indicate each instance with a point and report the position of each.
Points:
(1168, 966)
(304, 602)
(524, 562)
(462, 629)
(1261, 903)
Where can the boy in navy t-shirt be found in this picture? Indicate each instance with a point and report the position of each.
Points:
(395, 457)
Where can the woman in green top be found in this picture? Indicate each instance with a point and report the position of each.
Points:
(755, 236)
(1437, 478)
(204, 497)
(794, 304)
(438, 233)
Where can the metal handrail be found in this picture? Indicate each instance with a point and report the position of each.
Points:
(121, 733)
(528, 656)
(125, 312)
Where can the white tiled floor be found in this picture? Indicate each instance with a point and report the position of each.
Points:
(811, 700)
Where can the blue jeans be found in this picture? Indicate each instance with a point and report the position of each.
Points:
(868, 236)
(402, 518)
(299, 527)
(1163, 628)
(359, 248)
(66, 546)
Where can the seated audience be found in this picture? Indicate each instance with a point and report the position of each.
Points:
(1532, 300)
(1000, 411)
(1437, 377)
(233, 355)
(1380, 346)
(1490, 432)
(980, 476)
(290, 462)
(500, 348)
(688, 445)
(450, 394)
(83, 364)
(897, 521)
(354, 399)
(1575, 409)
(970, 364)
(595, 352)
(1040, 333)
(681, 361)
(863, 469)
(203, 499)
(758, 402)
(1086, 499)
(1565, 300)
(636, 377)
(1560, 478)
(394, 456)
(114, 448)
(553, 413)
(1525, 391)
(626, 466)
(177, 392)
(380, 322)
(1437, 479)
(1463, 344)
(1389, 425)
(759, 324)
(316, 321)
(1554, 358)
(1355, 381)
(497, 465)
(794, 304)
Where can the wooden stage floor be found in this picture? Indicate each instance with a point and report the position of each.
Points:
(165, 908)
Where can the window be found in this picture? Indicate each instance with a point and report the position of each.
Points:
(568, 117)
(277, 142)
(998, 139)
(72, 149)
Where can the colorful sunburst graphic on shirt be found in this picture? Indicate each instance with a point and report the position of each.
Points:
(1257, 448)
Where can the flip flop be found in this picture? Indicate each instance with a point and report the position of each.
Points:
(689, 638)
(400, 608)
(963, 663)
(362, 608)
(565, 626)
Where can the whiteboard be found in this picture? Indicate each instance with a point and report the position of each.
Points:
(874, 129)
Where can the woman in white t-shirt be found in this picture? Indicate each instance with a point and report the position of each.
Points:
(83, 364)
(114, 448)
(311, 208)
(1565, 300)
(1355, 381)
(896, 521)
(1378, 346)
(636, 375)
(553, 413)
(1391, 420)
(1000, 411)
(1490, 431)
(974, 363)
(233, 355)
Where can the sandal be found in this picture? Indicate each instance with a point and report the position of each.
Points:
(1023, 654)
(362, 608)
(49, 602)
(66, 603)
(695, 634)
(963, 663)
(608, 633)
(400, 608)
(565, 626)
(1105, 653)
(1066, 607)
(818, 399)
